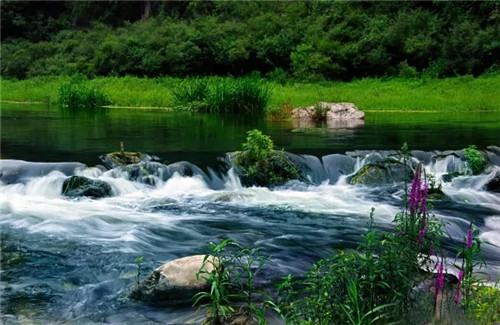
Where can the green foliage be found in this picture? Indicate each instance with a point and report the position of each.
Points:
(139, 260)
(80, 95)
(485, 304)
(192, 93)
(475, 160)
(282, 112)
(310, 41)
(261, 164)
(218, 299)
(245, 95)
(228, 95)
(373, 284)
(445, 95)
(319, 113)
(233, 270)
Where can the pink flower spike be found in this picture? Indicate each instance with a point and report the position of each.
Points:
(460, 276)
(469, 238)
(440, 278)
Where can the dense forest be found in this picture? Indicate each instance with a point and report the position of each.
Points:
(315, 40)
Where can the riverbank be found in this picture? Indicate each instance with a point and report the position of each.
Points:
(450, 94)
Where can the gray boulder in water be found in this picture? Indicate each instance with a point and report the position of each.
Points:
(383, 172)
(336, 111)
(493, 185)
(77, 186)
(175, 282)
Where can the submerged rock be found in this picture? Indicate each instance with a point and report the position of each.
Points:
(382, 172)
(174, 282)
(77, 186)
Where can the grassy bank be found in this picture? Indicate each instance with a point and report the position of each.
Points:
(451, 94)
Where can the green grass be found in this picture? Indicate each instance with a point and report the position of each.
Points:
(451, 94)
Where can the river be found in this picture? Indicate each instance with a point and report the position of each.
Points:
(79, 254)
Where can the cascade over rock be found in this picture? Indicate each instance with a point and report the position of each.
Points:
(382, 172)
(174, 282)
(76, 186)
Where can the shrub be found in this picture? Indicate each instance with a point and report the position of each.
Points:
(475, 160)
(81, 95)
(229, 95)
(245, 95)
(261, 164)
(192, 93)
(319, 113)
(283, 112)
(234, 269)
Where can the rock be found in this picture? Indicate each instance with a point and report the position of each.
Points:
(493, 185)
(382, 172)
(335, 112)
(435, 194)
(277, 169)
(119, 158)
(77, 186)
(244, 319)
(174, 282)
(450, 176)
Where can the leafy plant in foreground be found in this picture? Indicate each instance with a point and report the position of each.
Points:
(375, 283)
(231, 269)
(475, 160)
(214, 270)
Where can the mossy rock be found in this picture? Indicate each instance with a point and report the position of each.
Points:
(450, 176)
(277, 169)
(119, 158)
(383, 172)
(77, 186)
(435, 194)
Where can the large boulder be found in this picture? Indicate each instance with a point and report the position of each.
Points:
(383, 172)
(175, 282)
(493, 185)
(76, 186)
(277, 169)
(335, 112)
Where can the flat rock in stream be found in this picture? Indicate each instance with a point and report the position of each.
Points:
(174, 283)
(124, 158)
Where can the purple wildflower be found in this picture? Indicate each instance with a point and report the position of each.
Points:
(469, 238)
(423, 198)
(415, 192)
(421, 233)
(440, 278)
(458, 295)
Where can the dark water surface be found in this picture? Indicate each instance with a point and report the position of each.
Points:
(79, 255)
(41, 133)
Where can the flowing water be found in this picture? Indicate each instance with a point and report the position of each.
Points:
(79, 254)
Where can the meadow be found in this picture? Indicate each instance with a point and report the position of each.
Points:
(371, 94)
